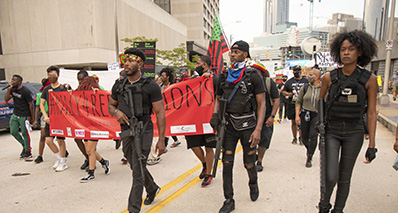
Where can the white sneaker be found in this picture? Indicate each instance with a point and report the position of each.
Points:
(56, 164)
(151, 162)
(61, 167)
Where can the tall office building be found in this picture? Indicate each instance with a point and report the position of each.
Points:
(376, 18)
(276, 12)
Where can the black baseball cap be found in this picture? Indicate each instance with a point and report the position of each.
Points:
(296, 67)
(243, 46)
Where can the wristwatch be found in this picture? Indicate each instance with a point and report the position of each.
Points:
(272, 116)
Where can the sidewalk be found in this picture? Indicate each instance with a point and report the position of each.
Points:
(388, 114)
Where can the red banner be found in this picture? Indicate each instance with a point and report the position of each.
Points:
(188, 107)
(83, 114)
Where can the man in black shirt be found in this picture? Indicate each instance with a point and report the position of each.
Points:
(52, 73)
(23, 108)
(119, 107)
(283, 100)
(245, 113)
(292, 88)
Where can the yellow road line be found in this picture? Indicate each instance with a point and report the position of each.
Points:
(160, 205)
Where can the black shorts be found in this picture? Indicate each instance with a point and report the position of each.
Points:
(266, 135)
(47, 132)
(291, 111)
(86, 140)
(201, 140)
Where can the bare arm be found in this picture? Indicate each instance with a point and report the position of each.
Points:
(112, 109)
(8, 96)
(46, 117)
(31, 111)
(326, 83)
(371, 87)
(275, 107)
(158, 107)
(256, 135)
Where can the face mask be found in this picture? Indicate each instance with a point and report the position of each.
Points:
(296, 74)
(311, 79)
(199, 70)
(284, 80)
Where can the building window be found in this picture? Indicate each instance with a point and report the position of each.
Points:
(204, 10)
(1, 47)
(164, 4)
(2, 74)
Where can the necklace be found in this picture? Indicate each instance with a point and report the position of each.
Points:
(136, 79)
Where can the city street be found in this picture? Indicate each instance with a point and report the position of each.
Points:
(286, 185)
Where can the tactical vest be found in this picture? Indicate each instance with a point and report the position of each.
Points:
(347, 104)
(243, 102)
(123, 89)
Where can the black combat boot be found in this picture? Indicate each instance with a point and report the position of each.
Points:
(229, 205)
(254, 192)
(308, 163)
(324, 209)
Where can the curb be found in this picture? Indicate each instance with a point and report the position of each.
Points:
(391, 125)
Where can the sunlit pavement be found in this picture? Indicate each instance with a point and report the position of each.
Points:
(286, 185)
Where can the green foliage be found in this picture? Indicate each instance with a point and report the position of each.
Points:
(174, 58)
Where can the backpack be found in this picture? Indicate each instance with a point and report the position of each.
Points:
(268, 84)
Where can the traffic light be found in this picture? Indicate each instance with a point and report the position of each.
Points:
(290, 50)
(267, 55)
(314, 49)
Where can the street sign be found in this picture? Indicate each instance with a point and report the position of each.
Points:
(389, 44)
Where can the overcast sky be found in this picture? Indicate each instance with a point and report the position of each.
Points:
(250, 13)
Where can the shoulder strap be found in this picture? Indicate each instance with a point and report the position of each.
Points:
(364, 77)
(305, 87)
(334, 76)
(268, 84)
(236, 88)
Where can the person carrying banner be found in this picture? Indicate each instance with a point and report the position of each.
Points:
(245, 90)
(307, 113)
(167, 77)
(52, 74)
(22, 116)
(89, 83)
(81, 75)
(291, 89)
(195, 142)
(272, 104)
(349, 88)
(42, 124)
(120, 106)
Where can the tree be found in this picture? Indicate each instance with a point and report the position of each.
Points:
(175, 58)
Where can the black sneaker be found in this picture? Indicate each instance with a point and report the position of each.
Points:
(106, 167)
(39, 159)
(254, 192)
(294, 141)
(259, 167)
(203, 173)
(87, 178)
(28, 156)
(207, 181)
(22, 154)
(117, 144)
(150, 196)
(85, 164)
(300, 141)
(229, 205)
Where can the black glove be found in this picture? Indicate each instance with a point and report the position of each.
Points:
(214, 122)
(370, 154)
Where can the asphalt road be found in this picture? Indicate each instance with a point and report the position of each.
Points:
(285, 184)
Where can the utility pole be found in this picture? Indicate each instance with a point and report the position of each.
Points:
(384, 99)
(116, 31)
(311, 16)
